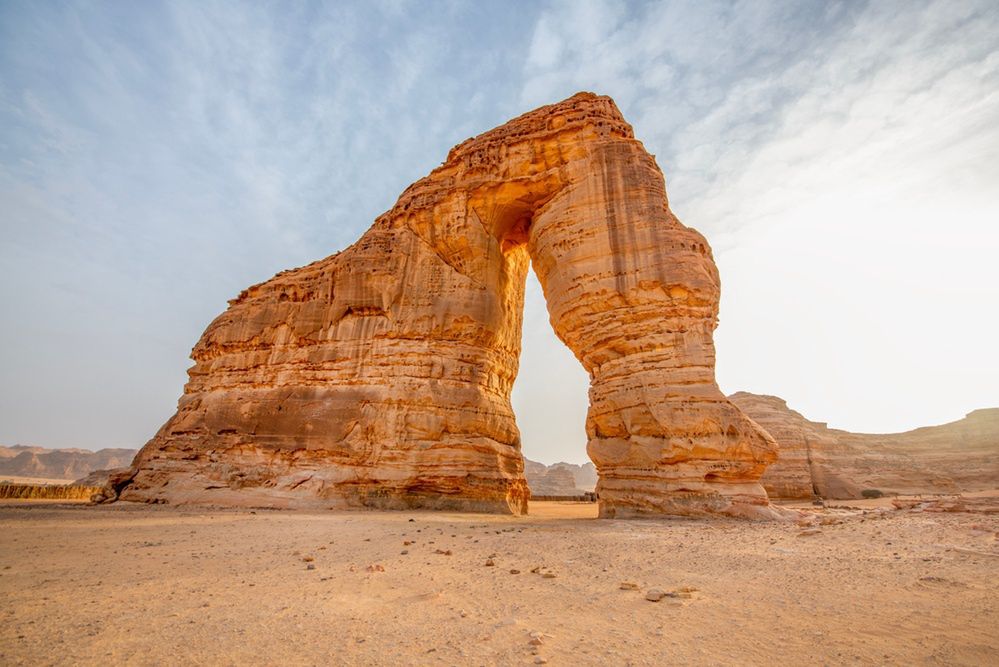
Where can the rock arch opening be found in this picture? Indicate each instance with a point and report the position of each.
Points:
(550, 396)
(386, 380)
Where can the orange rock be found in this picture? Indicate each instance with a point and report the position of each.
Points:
(381, 375)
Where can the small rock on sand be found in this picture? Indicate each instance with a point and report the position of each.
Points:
(655, 595)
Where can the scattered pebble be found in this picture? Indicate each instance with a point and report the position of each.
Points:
(310, 566)
(655, 595)
(628, 586)
(514, 571)
(810, 531)
(490, 562)
(549, 575)
(375, 568)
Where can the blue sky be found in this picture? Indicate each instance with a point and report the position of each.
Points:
(841, 158)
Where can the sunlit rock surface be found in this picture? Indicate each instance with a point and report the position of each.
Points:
(381, 375)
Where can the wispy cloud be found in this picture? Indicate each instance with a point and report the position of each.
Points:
(841, 158)
(157, 157)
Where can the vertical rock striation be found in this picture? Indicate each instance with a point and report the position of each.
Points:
(381, 375)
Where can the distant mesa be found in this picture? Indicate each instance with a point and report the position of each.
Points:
(59, 464)
(380, 376)
(560, 479)
(817, 461)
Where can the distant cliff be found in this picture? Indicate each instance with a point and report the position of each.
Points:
(815, 460)
(559, 479)
(67, 464)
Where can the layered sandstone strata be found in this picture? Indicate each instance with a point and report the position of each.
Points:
(381, 375)
(816, 460)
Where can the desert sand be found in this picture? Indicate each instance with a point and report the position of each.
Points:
(149, 585)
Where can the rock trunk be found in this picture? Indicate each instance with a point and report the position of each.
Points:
(381, 375)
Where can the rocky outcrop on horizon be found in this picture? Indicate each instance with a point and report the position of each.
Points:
(64, 464)
(380, 376)
(549, 481)
(560, 479)
(815, 460)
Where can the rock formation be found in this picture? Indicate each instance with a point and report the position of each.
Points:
(816, 460)
(541, 479)
(585, 475)
(67, 464)
(381, 375)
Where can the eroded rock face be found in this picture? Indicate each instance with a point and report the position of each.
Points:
(381, 375)
(816, 460)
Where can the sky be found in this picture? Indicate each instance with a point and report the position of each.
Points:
(842, 158)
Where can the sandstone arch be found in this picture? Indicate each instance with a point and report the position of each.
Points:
(381, 375)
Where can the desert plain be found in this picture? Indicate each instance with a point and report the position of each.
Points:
(858, 582)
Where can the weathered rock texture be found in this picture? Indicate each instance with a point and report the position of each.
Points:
(819, 461)
(381, 375)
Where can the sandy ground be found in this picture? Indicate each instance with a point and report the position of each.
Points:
(151, 585)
